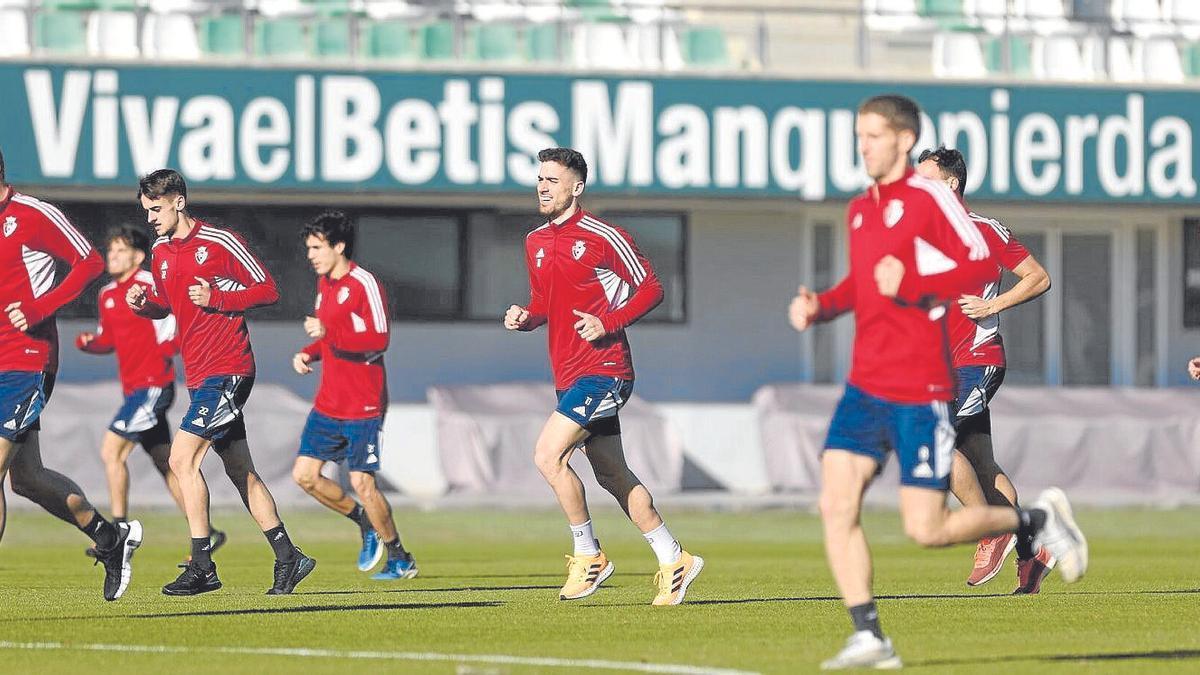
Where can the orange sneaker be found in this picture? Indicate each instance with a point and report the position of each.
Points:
(585, 573)
(989, 558)
(1031, 572)
(673, 580)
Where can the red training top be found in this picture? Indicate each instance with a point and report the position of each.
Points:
(144, 347)
(978, 343)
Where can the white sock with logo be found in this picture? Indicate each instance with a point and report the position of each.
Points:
(666, 548)
(585, 541)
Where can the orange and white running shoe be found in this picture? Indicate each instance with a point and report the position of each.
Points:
(1031, 572)
(585, 573)
(673, 579)
(989, 558)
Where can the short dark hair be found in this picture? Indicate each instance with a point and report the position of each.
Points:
(334, 227)
(2, 179)
(135, 237)
(568, 157)
(901, 112)
(162, 183)
(951, 163)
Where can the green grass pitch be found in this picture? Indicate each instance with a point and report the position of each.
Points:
(488, 590)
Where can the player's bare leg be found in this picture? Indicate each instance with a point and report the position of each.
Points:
(160, 454)
(187, 454)
(929, 521)
(114, 452)
(844, 479)
(239, 467)
(62, 497)
(307, 474)
(677, 568)
(977, 480)
(551, 455)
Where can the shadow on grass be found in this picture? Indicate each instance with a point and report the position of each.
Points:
(913, 596)
(430, 590)
(1152, 655)
(318, 608)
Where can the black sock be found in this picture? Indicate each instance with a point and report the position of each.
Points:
(102, 532)
(866, 617)
(395, 550)
(359, 515)
(202, 551)
(280, 543)
(1030, 522)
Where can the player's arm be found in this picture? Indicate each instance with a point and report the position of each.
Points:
(260, 289)
(949, 230)
(533, 315)
(98, 342)
(837, 300)
(368, 335)
(311, 353)
(623, 257)
(58, 237)
(1033, 279)
(148, 300)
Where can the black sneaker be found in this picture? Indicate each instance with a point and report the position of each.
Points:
(117, 570)
(288, 573)
(194, 580)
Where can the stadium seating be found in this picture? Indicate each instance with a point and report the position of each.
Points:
(223, 36)
(496, 42)
(14, 32)
(958, 55)
(283, 38)
(170, 37)
(388, 40)
(60, 33)
(437, 41)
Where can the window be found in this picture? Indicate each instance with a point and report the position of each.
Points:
(1146, 348)
(1024, 327)
(824, 338)
(1191, 273)
(1086, 309)
(434, 265)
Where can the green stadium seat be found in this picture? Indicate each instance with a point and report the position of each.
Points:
(437, 41)
(330, 8)
(387, 41)
(496, 42)
(704, 47)
(280, 38)
(1021, 53)
(948, 14)
(1191, 60)
(117, 5)
(223, 36)
(541, 43)
(70, 5)
(60, 32)
(595, 10)
(331, 38)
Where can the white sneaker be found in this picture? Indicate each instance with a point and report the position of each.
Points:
(864, 650)
(1061, 536)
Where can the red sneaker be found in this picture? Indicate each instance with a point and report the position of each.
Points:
(1031, 572)
(989, 557)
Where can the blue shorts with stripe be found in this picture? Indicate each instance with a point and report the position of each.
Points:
(143, 416)
(215, 412)
(357, 442)
(23, 396)
(920, 434)
(593, 401)
(974, 388)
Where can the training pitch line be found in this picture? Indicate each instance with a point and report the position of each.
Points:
(491, 659)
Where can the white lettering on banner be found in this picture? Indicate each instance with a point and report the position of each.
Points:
(749, 124)
(351, 147)
(682, 159)
(206, 152)
(529, 127)
(458, 114)
(413, 136)
(616, 141)
(253, 136)
(57, 128)
(477, 135)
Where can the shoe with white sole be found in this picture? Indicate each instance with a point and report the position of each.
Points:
(864, 650)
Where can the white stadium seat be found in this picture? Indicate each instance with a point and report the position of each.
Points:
(994, 17)
(1163, 62)
(14, 32)
(1062, 57)
(1185, 14)
(170, 37)
(1125, 60)
(1046, 17)
(113, 35)
(1143, 18)
(894, 16)
(958, 55)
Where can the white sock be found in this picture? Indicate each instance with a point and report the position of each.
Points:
(665, 547)
(585, 541)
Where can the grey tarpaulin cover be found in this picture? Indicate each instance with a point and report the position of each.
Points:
(1104, 445)
(486, 435)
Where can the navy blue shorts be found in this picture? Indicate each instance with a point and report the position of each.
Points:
(334, 440)
(920, 434)
(215, 412)
(974, 388)
(593, 401)
(143, 416)
(23, 396)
